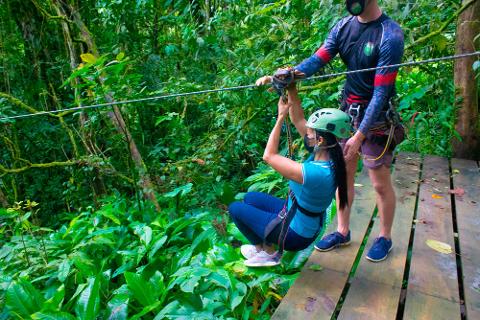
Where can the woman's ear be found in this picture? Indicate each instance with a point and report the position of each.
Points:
(321, 140)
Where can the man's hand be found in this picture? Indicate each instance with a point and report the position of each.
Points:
(352, 146)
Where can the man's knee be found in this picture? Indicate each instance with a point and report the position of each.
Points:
(381, 181)
(381, 188)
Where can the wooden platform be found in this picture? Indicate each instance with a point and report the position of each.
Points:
(415, 282)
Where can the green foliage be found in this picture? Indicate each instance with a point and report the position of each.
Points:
(94, 248)
(106, 263)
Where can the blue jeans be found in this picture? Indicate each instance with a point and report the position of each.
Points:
(254, 214)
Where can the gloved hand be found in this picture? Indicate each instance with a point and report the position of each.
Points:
(282, 78)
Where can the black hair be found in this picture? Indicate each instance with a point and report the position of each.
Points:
(339, 168)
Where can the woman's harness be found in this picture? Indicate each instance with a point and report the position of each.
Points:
(285, 217)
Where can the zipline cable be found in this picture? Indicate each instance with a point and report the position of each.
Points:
(192, 93)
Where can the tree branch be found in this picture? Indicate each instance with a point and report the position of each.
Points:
(82, 162)
(38, 165)
(442, 28)
(48, 15)
(21, 104)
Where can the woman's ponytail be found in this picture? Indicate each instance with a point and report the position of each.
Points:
(340, 171)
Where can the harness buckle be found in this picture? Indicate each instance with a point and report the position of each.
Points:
(282, 214)
(354, 110)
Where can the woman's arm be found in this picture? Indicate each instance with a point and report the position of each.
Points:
(296, 112)
(286, 167)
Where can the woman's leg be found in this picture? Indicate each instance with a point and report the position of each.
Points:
(251, 221)
(264, 201)
(292, 241)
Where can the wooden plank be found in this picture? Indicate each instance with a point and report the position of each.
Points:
(425, 307)
(367, 299)
(375, 290)
(468, 223)
(433, 274)
(315, 294)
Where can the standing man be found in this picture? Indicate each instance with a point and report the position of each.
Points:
(365, 39)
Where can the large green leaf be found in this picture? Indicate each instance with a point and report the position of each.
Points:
(117, 307)
(55, 302)
(52, 315)
(142, 290)
(23, 298)
(146, 310)
(88, 304)
(64, 270)
(157, 246)
(237, 295)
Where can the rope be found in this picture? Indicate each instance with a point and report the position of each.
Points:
(185, 94)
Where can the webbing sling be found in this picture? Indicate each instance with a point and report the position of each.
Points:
(285, 217)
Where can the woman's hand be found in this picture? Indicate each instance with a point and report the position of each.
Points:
(283, 107)
(263, 81)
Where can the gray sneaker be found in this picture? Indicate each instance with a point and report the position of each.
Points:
(248, 251)
(263, 259)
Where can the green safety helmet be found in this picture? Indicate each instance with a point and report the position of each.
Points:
(331, 120)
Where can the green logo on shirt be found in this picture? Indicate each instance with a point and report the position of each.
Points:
(368, 49)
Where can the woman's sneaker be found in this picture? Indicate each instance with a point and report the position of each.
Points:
(332, 241)
(263, 259)
(248, 251)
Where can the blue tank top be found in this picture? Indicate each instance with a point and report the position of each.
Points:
(315, 194)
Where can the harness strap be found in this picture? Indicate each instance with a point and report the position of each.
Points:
(285, 217)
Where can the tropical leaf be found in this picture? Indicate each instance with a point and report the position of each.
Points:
(23, 298)
(52, 315)
(88, 58)
(88, 304)
(238, 295)
(117, 307)
(142, 290)
(439, 246)
(64, 270)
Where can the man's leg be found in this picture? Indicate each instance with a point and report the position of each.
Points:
(385, 196)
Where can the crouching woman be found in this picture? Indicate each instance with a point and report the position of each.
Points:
(273, 225)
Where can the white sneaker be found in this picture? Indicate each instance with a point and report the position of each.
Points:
(263, 259)
(248, 251)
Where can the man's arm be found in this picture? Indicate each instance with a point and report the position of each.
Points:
(391, 52)
(322, 56)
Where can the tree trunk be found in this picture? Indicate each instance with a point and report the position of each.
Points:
(145, 181)
(467, 99)
(117, 118)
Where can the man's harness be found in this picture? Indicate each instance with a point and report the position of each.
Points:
(356, 111)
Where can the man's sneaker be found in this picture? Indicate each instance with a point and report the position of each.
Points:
(248, 251)
(332, 241)
(263, 259)
(380, 249)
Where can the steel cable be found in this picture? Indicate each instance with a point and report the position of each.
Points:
(185, 94)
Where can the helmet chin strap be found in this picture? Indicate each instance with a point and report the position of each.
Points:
(318, 148)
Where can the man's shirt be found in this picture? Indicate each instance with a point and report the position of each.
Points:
(360, 46)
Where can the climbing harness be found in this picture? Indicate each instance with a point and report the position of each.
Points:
(237, 88)
(285, 217)
(377, 134)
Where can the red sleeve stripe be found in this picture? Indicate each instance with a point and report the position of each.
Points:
(323, 54)
(385, 79)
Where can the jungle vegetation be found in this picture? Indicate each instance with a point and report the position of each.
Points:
(120, 212)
